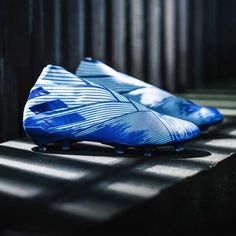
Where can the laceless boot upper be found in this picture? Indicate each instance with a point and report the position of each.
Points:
(148, 95)
(64, 108)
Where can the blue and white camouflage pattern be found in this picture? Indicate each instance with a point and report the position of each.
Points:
(64, 108)
(154, 98)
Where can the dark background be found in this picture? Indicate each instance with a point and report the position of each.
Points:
(175, 44)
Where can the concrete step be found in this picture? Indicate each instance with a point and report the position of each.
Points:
(91, 190)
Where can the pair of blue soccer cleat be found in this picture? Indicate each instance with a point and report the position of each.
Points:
(103, 105)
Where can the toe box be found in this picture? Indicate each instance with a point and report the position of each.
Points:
(207, 116)
(180, 130)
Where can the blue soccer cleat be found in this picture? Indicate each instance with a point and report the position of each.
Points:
(63, 108)
(148, 95)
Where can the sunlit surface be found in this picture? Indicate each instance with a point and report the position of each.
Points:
(173, 171)
(222, 143)
(23, 144)
(50, 171)
(215, 103)
(17, 189)
(233, 132)
(101, 160)
(134, 188)
(228, 112)
(92, 209)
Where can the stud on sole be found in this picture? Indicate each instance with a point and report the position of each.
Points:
(42, 148)
(148, 153)
(179, 148)
(204, 131)
(120, 150)
(65, 146)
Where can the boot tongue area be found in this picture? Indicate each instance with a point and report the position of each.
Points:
(148, 96)
(101, 74)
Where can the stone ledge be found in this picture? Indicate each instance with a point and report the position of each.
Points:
(191, 191)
